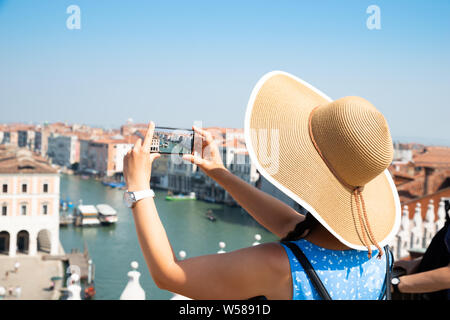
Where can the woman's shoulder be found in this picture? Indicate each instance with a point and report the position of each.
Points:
(274, 256)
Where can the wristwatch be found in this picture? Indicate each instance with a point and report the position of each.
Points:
(395, 282)
(131, 197)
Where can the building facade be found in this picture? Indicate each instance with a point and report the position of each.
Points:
(29, 201)
(103, 157)
(63, 150)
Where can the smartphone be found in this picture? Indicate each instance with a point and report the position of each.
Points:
(168, 140)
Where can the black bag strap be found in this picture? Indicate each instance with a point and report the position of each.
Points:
(387, 281)
(308, 269)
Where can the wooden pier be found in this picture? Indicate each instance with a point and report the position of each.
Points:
(78, 262)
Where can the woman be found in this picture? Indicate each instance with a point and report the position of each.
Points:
(330, 157)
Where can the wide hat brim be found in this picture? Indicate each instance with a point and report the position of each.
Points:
(278, 142)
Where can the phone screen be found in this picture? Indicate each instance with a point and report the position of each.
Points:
(171, 140)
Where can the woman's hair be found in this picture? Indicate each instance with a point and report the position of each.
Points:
(307, 224)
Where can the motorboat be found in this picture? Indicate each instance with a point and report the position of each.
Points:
(209, 216)
(190, 196)
(86, 215)
(106, 214)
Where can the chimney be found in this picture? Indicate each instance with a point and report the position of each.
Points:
(426, 184)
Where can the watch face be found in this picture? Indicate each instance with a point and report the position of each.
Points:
(395, 281)
(128, 199)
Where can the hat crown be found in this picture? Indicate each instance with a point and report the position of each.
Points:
(354, 138)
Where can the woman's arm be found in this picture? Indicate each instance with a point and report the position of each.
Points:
(428, 281)
(273, 214)
(259, 270)
(239, 274)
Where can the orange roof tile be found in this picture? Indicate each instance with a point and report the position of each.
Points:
(433, 157)
(20, 160)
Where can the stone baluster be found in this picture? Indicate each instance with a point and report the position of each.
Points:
(429, 227)
(258, 239)
(133, 289)
(403, 243)
(417, 229)
(182, 254)
(222, 246)
(440, 215)
(74, 288)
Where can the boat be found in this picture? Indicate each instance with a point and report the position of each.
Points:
(105, 183)
(178, 197)
(106, 214)
(114, 184)
(66, 219)
(209, 199)
(86, 215)
(209, 216)
(89, 292)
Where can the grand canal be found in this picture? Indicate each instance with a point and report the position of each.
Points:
(113, 248)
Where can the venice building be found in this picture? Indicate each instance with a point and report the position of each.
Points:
(29, 203)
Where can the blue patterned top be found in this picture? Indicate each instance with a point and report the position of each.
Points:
(346, 274)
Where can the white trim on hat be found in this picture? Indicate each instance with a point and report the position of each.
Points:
(289, 193)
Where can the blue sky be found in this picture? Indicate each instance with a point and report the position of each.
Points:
(179, 61)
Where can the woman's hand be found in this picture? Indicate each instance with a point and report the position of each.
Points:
(210, 160)
(137, 164)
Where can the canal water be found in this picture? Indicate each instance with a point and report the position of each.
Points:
(113, 248)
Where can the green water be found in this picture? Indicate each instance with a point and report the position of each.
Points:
(113, 248)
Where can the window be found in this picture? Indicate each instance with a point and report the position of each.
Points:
(45, 187)
(24, 187)
(5, 188)
(23, 210)
(44, 209)
(4, 209)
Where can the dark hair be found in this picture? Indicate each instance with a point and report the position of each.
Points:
(307, 224)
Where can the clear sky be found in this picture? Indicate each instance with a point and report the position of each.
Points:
(179, 61)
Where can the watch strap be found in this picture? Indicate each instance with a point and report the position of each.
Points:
(395, 285)
(138, 195)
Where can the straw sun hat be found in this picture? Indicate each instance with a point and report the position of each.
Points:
(329, 156)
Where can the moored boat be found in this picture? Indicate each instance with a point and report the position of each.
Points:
(190, 196)
(66, 219)
(106, 214)
(86, 215)
(209, 215)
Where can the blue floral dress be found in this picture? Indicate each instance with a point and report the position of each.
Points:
(346, 274)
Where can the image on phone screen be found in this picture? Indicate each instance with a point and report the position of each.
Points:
(168, 140)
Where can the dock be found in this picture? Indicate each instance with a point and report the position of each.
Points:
(77, 261)
(65, 221)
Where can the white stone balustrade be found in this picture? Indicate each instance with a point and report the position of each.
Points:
(441, 215)
(417, 229)
(258, 239)
(429, 227)
(74, 288)
(222, 246)
(417, 233)
(133, 289)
